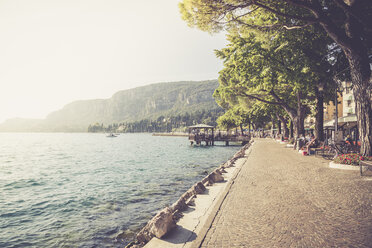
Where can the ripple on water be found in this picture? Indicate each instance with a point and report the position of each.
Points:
(84, 190)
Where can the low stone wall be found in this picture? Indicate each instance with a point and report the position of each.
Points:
(165, 220)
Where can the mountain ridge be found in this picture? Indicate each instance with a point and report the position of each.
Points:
(144, 102)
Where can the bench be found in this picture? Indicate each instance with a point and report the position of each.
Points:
(366, 164)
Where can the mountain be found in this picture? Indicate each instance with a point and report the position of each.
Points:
(146, 102)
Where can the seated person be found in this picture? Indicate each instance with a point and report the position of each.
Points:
(348, 140)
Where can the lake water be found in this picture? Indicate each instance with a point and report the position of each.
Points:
(87, 190)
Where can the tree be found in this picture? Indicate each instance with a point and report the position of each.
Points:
(347, 22)
(279, 71)
(228, 121)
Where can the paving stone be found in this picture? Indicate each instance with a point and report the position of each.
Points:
(283, 199)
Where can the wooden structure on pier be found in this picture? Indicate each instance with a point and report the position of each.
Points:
(204, 133)
(201, 132)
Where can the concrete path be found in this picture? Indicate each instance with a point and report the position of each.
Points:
(283, 199)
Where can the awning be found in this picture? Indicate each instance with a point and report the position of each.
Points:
(329, 124)
(341, 121)
(201, 126)
(348, 118)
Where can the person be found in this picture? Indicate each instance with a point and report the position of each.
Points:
(348, 139)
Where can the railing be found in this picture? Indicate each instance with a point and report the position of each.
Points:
(209, 137)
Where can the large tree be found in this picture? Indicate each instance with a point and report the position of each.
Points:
(278, 71)
(347, 22)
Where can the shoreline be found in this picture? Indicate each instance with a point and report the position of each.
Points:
(177, 134)
(183, 223)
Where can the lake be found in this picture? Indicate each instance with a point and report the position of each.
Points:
(87, 190)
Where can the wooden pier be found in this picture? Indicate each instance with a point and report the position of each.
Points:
(204, 133)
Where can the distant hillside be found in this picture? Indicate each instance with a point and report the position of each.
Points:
(146, 102)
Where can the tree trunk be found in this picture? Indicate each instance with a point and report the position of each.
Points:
(297, 115)
(279, 127)
(357, 55)
(241, 128)
(319, 116)
(295, 121)
(291, 129)
(360, 75)
(362, 95)
(284, 121)
(300, 116)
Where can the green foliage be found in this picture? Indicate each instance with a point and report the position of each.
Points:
(162, 123)
(279, 69)
(228, 121)
(294, 62)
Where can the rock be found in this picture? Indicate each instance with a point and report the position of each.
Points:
(158, 226)
(222, 170)
(177, 215)
(134, 245)
(179, 205)
(191, 201)
(230, 163)
(205, 181)
(190, 192)
(215, 177)
(198, 188)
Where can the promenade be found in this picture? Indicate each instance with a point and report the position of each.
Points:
(283, 199)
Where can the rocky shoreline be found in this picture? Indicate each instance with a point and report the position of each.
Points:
(165, 220)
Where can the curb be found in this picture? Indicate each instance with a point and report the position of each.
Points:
(208, 223)
(334, 165)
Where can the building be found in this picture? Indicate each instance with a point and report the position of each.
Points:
(348, 100)
(329, 109)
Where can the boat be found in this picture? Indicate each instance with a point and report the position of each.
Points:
(111, 135)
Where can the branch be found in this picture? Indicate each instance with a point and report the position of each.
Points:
(335, 32)
(301, 18)
(347, 10)
(259, 98)
(273, 26)
(285, 105)
(298, 26)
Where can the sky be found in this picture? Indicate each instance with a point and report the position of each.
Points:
(53, 52)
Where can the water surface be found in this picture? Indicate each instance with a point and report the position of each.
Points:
(87, 190)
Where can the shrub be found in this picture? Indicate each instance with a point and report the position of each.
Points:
(351, 158)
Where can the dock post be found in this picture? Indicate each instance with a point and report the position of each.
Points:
(212, 136)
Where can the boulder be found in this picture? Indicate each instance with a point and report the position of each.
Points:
(158, 226)
(179, 205)
(191, 201)
(215, 177)
(198, 188)
(205, 181)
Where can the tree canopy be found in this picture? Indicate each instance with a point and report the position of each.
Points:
(345, 22)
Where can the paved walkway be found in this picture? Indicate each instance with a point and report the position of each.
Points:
(283, 199)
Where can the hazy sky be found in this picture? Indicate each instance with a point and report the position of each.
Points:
(53, 52)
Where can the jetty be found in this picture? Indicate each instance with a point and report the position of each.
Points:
(204, 133)
(177, 134)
